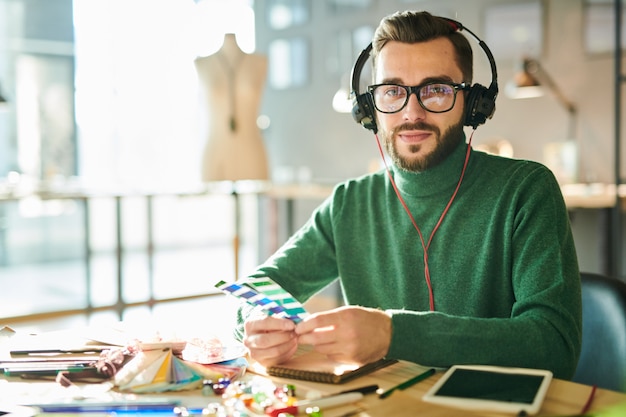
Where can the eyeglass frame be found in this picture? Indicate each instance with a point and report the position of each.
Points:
(415, 89)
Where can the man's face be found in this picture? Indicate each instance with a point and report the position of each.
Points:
(415, 138)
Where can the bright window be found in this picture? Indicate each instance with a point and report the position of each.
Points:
(137, 99)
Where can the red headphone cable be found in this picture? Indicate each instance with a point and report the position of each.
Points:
(425, 246)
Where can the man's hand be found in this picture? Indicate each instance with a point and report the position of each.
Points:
(348, 334)
(270, 340)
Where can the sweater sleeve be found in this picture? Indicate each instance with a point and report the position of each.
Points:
(303, 266)
(544, 327)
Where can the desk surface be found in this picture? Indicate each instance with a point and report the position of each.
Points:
(592, 195)
(595, 195)
(564, 398)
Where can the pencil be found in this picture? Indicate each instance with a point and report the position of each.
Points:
(408, 383)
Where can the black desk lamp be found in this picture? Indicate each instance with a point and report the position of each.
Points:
(529, 82)
(3, 100)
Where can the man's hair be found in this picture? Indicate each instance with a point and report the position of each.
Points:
(414, 27)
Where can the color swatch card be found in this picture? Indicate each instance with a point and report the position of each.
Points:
(160, 371)
(268, 295)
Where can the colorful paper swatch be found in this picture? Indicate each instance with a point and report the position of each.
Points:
(267, 294)
(160, 371)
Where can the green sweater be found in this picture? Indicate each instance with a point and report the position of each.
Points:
(503, 264)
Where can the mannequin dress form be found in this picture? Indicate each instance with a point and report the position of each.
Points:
(232, 84)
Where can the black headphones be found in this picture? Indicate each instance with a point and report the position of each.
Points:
(480, 103)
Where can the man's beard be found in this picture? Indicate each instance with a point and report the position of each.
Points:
(446, 143)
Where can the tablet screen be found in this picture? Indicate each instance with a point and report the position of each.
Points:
(485, 385)
(491, 388)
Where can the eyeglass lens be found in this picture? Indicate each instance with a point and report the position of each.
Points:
(391, 98)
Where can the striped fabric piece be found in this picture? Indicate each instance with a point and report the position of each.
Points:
(268, 302)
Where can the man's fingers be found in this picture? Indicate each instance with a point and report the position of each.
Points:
(314, 322)
(268, 339)
(318, 336)
(279, 354)
(269, 324)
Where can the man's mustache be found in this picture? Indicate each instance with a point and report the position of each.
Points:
(416, 126)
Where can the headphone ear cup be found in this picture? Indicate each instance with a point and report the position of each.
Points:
(480, 104)
(363, 111)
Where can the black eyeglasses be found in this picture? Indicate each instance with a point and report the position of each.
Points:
(436, 97)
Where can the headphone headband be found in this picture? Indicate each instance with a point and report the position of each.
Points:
(480, 103)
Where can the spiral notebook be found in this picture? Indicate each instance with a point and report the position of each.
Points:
(309, 365)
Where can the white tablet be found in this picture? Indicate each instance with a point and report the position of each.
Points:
(491, 388)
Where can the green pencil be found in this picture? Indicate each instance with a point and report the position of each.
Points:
(408, 383)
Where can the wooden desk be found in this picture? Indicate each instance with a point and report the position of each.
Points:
(609, 201)
(593, 196)
(563, 397)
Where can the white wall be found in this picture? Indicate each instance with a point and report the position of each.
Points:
(305, 131)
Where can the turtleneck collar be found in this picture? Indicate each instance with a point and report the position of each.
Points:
(441, 178)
